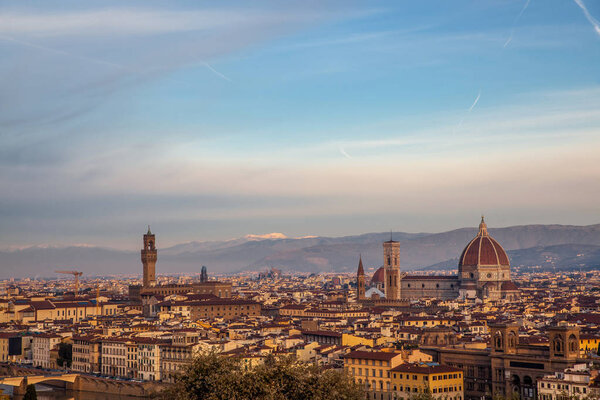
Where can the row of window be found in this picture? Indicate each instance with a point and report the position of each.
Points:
(369, 362)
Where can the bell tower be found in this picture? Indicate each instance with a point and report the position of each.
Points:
(360, 281)
(564, 342)
(391, 263)
(149, 255)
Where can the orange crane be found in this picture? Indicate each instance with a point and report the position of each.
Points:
(76, 274)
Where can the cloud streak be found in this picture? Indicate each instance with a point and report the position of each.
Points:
(344, 153)
(217, 73)
(518, 17)
(595, 23)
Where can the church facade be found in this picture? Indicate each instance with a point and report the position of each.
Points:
(483, 273)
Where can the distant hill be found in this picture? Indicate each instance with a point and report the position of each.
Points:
(551, 246)
(548, 258)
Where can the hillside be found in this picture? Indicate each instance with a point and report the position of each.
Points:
(552, 246)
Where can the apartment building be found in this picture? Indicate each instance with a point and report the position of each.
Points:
(114, 357)
(41, 345)
(371, 369)
(148, 358)
(87, 354)
(441, 381)
(578, 382)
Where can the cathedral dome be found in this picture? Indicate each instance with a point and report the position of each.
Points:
(378, 276)
(483, 250)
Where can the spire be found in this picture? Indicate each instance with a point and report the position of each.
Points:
(149, 232)
(482, 227)
(391, 236)
(361, 270)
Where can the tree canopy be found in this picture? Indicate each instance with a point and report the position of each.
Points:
(214, 377)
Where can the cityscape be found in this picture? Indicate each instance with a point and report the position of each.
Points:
(300, 200)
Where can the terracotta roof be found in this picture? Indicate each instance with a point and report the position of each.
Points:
(509, 285)
(378, 276)
(372, 355)
(483, 250)
(425, 369)
(430, 277)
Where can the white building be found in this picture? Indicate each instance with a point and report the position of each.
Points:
(40, 348)
(114, 357)
(572, 383)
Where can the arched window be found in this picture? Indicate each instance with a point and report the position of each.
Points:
(498, 341)
(512, 342)
(558, 344)
(573, 344)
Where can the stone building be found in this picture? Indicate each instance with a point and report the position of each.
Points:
(509, 365)
(483, 272)
(149, 287)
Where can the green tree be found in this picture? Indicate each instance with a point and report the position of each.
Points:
(30, 393)
(65, 354)
(213, 377)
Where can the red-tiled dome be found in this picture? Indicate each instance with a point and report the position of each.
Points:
(483, 250)
(509, 285)
(378, 276)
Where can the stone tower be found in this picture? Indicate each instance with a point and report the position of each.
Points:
(149, 256)
(203, 274)
(360, 281)
(564, 342)
(505, 338)
(391, 263)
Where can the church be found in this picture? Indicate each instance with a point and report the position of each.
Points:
(483, 273)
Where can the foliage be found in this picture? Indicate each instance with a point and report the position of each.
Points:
(214, 377)
(30, 393)
(65, 355)
(422, 396)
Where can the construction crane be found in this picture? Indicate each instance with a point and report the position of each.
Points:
(76, 274)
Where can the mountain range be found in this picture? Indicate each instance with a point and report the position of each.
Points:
(545, 246)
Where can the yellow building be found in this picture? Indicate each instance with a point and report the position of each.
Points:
(441, 381)
(589, 342)
(371, 369)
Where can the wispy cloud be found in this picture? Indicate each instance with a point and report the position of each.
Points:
(589, 16)
(468, 111)
(475, 102)
(512, 29)
(214, 71)
(344, 153)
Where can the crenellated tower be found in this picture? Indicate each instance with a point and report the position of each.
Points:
(149, 256)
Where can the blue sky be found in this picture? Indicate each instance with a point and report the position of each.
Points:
(212, 120)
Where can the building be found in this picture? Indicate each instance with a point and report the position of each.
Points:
(87, 354)
(114, 357)
(149, 287)
(41, 345)
(441, 381)
(578, 382)
(148, 358)
(483, 272)
(178, 354)
(371, 369)
(508, 366)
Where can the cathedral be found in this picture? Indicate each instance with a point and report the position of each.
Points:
(483, 273)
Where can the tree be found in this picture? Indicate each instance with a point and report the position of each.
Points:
(65, 354)
(214, 377)
(30, 393)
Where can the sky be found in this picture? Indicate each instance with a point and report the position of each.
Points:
(213, 120)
